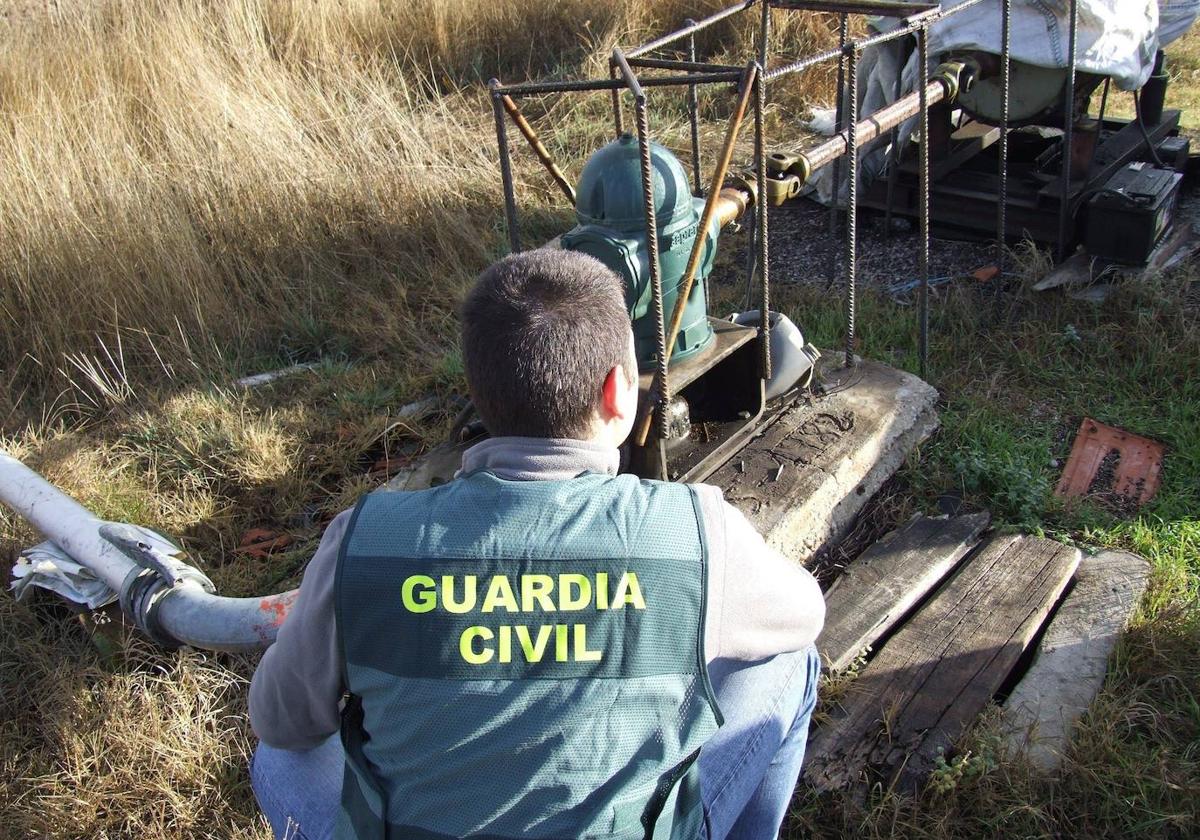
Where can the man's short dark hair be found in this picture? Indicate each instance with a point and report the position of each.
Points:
(540, 331)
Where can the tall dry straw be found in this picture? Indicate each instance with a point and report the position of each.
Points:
(187, 183)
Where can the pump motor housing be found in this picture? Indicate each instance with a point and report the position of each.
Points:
(612, 228)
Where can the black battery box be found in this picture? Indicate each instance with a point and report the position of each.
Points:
(1129, 214)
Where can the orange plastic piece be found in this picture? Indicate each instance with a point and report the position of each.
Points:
(1109, 462)
(988, 272)
(262, 542)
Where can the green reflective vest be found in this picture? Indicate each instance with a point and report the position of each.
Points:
(525, 659)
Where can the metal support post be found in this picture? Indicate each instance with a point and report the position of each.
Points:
(851, 200)
(1005, 80)
(694, 113)
(764, 37)
(618, 114)
(647, 176)
(1064, 209)
(760, 169)
(839, 123)
(923, 199)
(506, 177)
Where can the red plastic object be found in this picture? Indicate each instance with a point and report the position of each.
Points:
(1112, 463)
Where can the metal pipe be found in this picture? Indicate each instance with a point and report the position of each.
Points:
(618, 114)
(1064, 207)
(179, 613)
(629, 78)
(764, 37)
(660, 335)
(874, 125)
(706, 217)
(1005, 82)
(696, 26)
(908, 27)
(887, 8)
(538, 149)
(506, 178)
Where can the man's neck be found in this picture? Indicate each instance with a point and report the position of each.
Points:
(544, 459)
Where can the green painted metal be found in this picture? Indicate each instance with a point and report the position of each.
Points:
(611, 228)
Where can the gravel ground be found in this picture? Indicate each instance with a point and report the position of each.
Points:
(801, 248)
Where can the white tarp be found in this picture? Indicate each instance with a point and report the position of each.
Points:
(1116, 38)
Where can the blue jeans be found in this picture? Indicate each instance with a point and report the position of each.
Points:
(748, 770)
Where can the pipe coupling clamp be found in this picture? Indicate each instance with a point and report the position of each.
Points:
(142, 594)
(157, 572)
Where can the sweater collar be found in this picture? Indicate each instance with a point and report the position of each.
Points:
(540, 459)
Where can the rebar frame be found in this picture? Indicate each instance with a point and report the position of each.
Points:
(839, 125)
(1005, 80)
(693, 102)
(923, 199)
(914, 17)
(851, 200)
(1064, 208)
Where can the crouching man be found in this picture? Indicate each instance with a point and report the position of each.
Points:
(541, 648)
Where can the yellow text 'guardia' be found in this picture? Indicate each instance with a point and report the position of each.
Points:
(567, 592)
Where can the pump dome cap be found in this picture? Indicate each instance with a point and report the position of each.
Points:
(609, 191)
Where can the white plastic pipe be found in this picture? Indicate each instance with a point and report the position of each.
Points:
(65, 522)
(183, 614)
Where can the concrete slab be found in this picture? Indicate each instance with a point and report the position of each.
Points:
(1072, 659)
(812, 468)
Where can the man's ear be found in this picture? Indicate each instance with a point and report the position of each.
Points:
(614, 401)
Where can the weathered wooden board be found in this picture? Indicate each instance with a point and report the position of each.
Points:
(889, 579)
(933, 678)
(1072, 658)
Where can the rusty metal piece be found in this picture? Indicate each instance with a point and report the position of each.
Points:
(884, 8)
(538, 148)
(506, 178)
(1112, 465)
(1083, 144)
(696, 26)
(706, 217)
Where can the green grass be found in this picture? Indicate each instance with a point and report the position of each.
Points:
(1014, 388)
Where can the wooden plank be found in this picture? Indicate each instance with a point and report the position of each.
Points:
(888, 579)
(933, 678)
(1072, 658)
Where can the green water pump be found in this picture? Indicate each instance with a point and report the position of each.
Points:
(612, 228)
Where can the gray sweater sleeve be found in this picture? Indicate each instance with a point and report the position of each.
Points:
(295, 691)
(759, 603)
